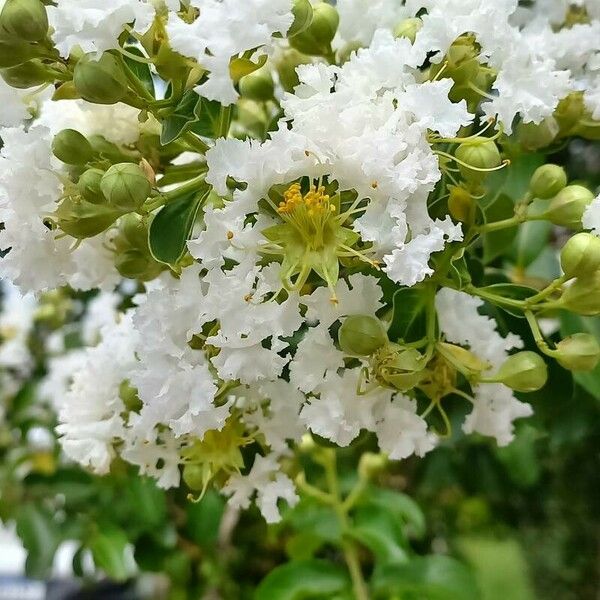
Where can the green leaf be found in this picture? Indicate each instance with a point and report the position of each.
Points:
(108, 550)
(500, 568)
(204, 519)
(427, 577)
(401, 506)
(532, 238)
(495, 243)
(570, 324)
(181, 119)
(207, 121)
(171, 227)
(140, 70)
(409, 319)
(40, 536)
(380, 532)
(303, 580)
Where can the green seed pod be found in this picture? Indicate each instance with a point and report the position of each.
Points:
(317, 37)
(25, 20)
(196, 477)
(408, 28)
(25, 75)
(523, 372)
(578, 352)
(547, 181)
(480, 156)
(82, 219)
(14, 52)
(303, 15)
(580, 256)
(258, 85)
(534, 136)
(583, 295)
(361, 335)
(89, 186)
(71, 147)
(100, 81)
(125, 186)
(568, 206)
(461, 204)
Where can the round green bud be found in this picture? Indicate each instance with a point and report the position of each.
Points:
(303, 15)
(461, 59)
(89, 186)
(258, 85)
(25, 75)
(71, 147)
(82, 219)
(523, 372)
(317, 37)
(125, 186)
(547, 181)
(195, 477)
(568, 206)
(484, 155)
(578, 352)
(24, 19)
(132, 264)
(569, 111)
(100, 81)
(580, 256)
(286, 66)
(408, 28)
(14, 52)
(583, 295)
(361, 335)
(461, 204)
(534, 136)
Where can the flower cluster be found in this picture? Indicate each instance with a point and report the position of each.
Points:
(303, 199)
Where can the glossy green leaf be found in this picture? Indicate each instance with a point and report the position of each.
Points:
(409, 320)
(570, 324)
(171, 227)
(108, 551)
(303, 580)
(496, 243)
(207, 121)
(181, 119)
(381, 532)
(532, 237)
(40, 536)
(428, 577)
(140, 70)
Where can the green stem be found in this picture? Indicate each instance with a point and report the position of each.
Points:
(225, 121)
(547, 291)
(349, 549)
(190, 186)
(504, 224)
(195, 142)
(537, 334)
(519, 304)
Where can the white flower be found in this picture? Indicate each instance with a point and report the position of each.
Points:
(224, 29)
(95, 25)
(269, 484)
(591, 216)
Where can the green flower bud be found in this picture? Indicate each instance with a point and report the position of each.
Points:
(89, 186)
(547, 181)
(461, 204)
(361, 335)
(534, 136)
(484, 155)
(24, 19)
(569, 111)
(71, 147)
(580, 256)
(258, 85)
(408, 28)
(583, 295)
(317, 37)
(100, 81)
(196, 477)
(125, 186)
(82, 219)
(25, 75)
(578, 352)
(303, 15)
(286, 68)
(461, 61)
(15, 52)
(568, 206)
(523, 372)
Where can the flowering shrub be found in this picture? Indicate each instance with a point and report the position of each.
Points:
(326, 225)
